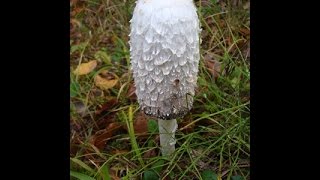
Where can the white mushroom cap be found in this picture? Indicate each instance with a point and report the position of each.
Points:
(164, 49)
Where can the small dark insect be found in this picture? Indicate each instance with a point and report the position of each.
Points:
(176, 82)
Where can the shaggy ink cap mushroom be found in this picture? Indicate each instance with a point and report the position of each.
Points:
(164, 52)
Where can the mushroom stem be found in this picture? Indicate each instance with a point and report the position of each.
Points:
(167, 129)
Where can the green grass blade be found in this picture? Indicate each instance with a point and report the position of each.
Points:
(82, 164)
(80, 176)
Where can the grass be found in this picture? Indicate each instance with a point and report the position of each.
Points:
(214, 136)
(132, 136)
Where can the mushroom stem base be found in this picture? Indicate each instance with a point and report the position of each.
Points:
(167, 129)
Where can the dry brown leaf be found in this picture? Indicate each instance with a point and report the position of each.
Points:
(213, 66)
(140, 124)
(245, 31)
(107, 106)
(104, 121)
(131, 94)
(106, 80)
(150, 153)
(101, 137)
(85, 68)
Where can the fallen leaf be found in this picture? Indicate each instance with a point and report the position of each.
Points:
(104, 116)
(101, 137)
(104, 121)
(106, 80)
(131, 94)
(107, 106)
(85, 68)
(140, 124)
(150, 153)
(245, 31)
(213, 66)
